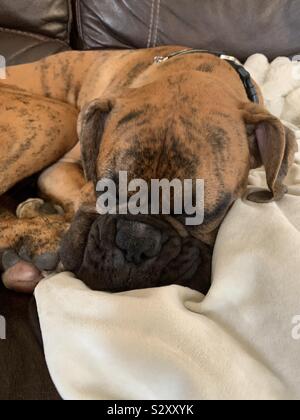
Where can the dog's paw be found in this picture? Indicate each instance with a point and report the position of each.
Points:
(35, 207)
(23, 273)
(19, 276)
(29, 250)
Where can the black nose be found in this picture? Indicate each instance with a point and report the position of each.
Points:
(138, 241)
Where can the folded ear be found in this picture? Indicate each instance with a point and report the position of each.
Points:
(91, 124)
(275, 147)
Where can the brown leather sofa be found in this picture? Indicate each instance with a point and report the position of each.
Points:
(31, 29)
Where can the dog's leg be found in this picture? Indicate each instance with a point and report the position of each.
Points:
(79, 77)
(57, 76)
(64, 183)
(60, 76)
(30, 243)
(34, 133)
(30, 246)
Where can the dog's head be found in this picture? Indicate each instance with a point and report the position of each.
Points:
(179, 127)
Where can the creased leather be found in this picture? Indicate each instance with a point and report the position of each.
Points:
(47, 17)
(18, 47)
(240, 28)
(23, 370)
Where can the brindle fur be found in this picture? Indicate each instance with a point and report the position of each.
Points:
(185, 118)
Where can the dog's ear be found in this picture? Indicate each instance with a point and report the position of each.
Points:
(272, 145)
(91, 124)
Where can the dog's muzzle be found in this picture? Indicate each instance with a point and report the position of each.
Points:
(119, 253)
(138, 241)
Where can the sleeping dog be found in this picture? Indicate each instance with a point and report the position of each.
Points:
(166, 113)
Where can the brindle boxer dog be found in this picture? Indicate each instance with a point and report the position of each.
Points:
(188, 117)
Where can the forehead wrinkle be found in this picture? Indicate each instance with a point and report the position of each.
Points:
(130, 117)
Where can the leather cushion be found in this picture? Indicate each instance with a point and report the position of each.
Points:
(240, 28)
(18, 47)
(23, 370)
(47, 17)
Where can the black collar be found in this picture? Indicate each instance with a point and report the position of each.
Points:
(234, 62)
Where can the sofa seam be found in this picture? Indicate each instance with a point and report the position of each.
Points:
(157, 23)
(70, 21)
(150, 32)
(79, 21)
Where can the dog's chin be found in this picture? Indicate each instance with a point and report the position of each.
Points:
(89, 250)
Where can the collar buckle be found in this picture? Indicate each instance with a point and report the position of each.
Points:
(160, 59)
(230, 58)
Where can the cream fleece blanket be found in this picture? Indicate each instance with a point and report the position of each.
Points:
(242, 341)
